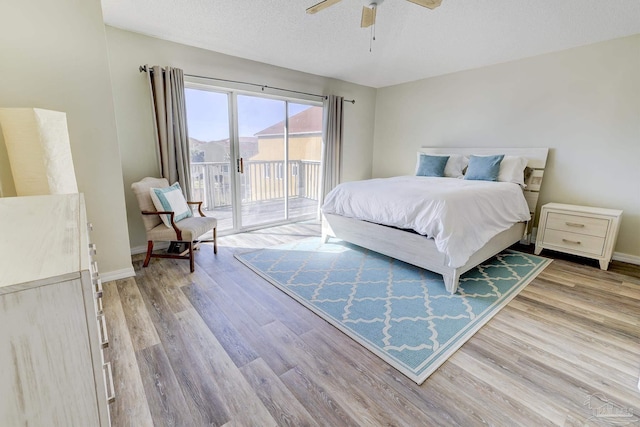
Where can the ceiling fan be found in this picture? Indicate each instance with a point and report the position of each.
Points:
(369, 13)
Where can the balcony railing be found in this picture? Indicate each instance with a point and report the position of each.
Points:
(261, 181)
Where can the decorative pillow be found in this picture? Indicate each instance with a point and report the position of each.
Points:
(431, 165)
(170, 199)
(484, 168)
(512, 170)
(455, 165)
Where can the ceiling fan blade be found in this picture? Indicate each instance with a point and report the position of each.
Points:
(368, 16)
(431, 4)
(322, 5)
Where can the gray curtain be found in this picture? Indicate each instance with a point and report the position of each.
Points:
(170, 119)
(331, 144)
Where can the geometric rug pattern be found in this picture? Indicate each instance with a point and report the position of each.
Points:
(400, 312)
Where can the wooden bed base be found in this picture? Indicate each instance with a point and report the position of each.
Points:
(421, 251)
(414, 248)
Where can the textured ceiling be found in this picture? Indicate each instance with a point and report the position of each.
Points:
(411, 42)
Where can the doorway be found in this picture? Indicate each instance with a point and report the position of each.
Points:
(255, 160)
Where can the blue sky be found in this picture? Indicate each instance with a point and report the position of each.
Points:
(208, 118)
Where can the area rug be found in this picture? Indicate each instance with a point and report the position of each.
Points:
(401, 313)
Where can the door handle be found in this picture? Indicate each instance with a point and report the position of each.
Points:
(240, 165)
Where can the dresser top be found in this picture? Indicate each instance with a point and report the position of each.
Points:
(42, 237)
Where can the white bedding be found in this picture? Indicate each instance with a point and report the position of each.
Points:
(460, 215)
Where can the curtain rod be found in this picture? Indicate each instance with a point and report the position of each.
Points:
(144, 69)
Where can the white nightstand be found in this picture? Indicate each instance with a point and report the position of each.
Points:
(579, 230)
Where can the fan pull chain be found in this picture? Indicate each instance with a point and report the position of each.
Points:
(373, 35)
(371, 38)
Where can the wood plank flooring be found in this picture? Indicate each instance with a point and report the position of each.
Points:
(222, 347)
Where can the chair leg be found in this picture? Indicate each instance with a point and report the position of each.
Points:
(191, 257)
(149, 250)
(215, 241)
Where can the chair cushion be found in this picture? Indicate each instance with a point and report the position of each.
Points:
(192, 228)
(170, 199)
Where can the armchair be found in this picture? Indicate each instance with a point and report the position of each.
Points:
(186, 230)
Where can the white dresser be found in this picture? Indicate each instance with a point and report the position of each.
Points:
(52, 329)
(579, 230)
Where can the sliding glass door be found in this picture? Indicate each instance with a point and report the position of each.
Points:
(208, 122)
(304, 144)
(261, 125)
(255, 160)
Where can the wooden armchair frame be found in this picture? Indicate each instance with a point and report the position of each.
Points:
(193, 245)
(187, 231)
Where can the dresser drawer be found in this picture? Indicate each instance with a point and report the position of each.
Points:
(578, 224)
(574, 242)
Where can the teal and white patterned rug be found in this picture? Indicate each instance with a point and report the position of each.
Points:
(400, 312)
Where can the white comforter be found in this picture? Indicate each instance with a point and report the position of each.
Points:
(460, 215)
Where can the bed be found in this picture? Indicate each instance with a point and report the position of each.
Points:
(418, 249)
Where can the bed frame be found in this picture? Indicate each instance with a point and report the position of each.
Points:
(420, 251)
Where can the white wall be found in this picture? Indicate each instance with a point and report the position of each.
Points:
(53, 55)
(129, 50)
(583, 103)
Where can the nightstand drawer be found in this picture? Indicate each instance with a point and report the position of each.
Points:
(578, 224)
(574, 242)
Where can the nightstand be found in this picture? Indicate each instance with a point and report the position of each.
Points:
(579, 230)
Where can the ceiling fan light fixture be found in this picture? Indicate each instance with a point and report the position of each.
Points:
(368, 19)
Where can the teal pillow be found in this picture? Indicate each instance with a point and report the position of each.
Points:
(431, 165)
(484, 168)
(170, 199)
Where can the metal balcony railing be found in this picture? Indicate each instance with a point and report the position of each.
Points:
(261, 181)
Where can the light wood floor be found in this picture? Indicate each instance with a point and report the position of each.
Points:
(222, 346)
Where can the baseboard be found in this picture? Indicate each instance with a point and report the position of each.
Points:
(143, 249)
(117, 274)
(139, 250)
(631, 259)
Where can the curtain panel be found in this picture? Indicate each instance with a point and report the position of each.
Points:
(332, 125)
(170, 123)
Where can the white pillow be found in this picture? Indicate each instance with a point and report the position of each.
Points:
(170, 199)
(454, 167)
(512, 170)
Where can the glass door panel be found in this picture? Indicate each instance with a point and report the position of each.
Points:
(210, 145)
(305, 148)
(262, 160)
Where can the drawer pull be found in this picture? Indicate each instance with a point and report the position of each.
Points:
(102, 331)
(98, 295)
(99, 290)
(575, 242)
(99, 307)
(575, 224)
(110, 390)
